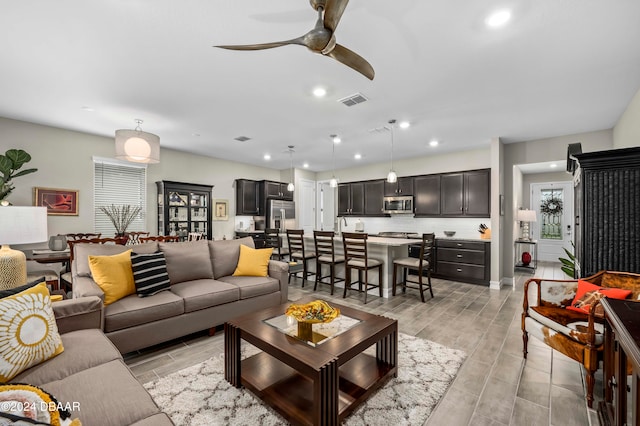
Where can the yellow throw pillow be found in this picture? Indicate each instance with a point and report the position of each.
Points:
(253, 262)
(114, 275)
(28, 331)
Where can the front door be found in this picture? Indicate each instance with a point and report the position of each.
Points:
(553, 229)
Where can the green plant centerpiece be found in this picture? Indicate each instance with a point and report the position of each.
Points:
(10, 163)
(121, 216)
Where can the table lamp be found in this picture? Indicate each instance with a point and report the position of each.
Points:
(19, 225)
(526, 216)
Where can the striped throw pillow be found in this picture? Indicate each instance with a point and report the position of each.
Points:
(149, 273)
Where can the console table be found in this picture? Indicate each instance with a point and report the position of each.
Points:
(621, 348)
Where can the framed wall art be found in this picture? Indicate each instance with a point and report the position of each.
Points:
(220, 209)
(59, 202)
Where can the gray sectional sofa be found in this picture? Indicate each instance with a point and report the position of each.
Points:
(203, 293)
(90, 376)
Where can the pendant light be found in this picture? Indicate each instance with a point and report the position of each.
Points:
(333, 183)
(291, 187)
(392, 176)
(137, 146)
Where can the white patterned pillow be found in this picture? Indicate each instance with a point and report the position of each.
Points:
(150, 273)
(28, 331)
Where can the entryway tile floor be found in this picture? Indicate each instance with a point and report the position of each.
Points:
(495, 385)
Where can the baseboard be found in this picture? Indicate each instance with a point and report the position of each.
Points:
(495, 285)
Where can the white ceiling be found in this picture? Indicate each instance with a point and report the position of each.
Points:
(559, 67)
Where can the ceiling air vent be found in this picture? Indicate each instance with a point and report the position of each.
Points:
(352, 100)
(242, 139)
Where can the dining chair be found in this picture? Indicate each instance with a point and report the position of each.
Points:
(422, 264)
(326, 255)
(161, 238)
(83, 235)
(195, 236)
(273, 240)
(134, 237)
(356, 257)
(297, 252)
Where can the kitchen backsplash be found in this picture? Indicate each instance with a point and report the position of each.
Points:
(465, 228)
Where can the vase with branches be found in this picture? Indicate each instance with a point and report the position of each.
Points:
(121, 216)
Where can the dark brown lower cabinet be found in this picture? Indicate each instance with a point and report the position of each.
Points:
(463, 260)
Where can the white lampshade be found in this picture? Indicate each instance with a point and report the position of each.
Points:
(526, 216)
(392, 177)
(23, 225)
(19, 225)
(333, 183)
(137, 146)
(291, 187)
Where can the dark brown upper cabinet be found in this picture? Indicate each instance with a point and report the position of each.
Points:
(466, 194)
(402, 187)
(373, 194)
(351, 199)
(247, 197)
(426, 195)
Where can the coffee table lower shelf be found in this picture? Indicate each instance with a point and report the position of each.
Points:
(291, 393)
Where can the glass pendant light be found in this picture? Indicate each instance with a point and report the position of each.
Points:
(333, 183)
(392, 176)
(291, 187)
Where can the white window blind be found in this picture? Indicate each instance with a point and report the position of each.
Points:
(118, 184)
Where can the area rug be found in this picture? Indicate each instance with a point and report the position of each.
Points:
(200, 395)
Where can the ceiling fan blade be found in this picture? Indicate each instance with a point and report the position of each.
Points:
(353, 60)
(262, 46)
(333, 12)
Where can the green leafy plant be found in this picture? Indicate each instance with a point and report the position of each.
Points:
(10, 163)
(569, 265)
(121, 216)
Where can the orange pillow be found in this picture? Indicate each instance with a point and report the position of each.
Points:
(588, 293)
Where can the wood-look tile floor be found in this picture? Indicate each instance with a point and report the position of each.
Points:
(495, 386)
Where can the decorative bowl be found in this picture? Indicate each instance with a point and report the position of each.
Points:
(449, 233)
(314, 312)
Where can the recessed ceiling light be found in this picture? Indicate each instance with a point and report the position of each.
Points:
(357, 156)
(434, 143)
(553, 165)
(498, 18)
(336, 139)
(319, 92)
(267, 157)
(305, 165)
(404, 124)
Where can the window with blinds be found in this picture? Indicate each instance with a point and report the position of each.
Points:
(118, 184)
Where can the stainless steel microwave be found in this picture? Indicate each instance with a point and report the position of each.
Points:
(395, 205)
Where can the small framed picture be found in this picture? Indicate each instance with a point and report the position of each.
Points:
(220, 209)
(59, 202)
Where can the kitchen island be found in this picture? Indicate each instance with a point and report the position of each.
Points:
(383, 249)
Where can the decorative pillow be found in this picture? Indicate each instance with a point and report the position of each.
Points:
(16, 290)
(150, 273)
(588, 293)
(28, 331)
(253, 262)
(113, 275)
(27, 404)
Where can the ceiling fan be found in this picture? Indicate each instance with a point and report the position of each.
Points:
(322, 39)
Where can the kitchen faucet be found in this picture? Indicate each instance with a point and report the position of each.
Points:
(343, 219)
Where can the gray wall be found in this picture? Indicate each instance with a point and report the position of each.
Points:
(528, 179)
(538, 151)
(64, 160)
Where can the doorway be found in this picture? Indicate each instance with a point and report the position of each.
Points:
(553, 204)
(307, 205)
(326, 207)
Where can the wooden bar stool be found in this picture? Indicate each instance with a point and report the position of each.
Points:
(272, 239)
(297, 252)
(356, 257)
(423, 263)
(323, 241)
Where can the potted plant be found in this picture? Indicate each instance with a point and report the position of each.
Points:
(10, 163)
(121, 216)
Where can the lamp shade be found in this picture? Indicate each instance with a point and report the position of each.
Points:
(137, 146)
(23, 225)
(526, 216)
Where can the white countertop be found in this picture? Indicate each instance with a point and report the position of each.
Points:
(380, 241)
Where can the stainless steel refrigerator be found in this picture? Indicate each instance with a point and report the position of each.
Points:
(281, 214)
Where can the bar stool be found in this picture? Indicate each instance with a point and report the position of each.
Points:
(356, 257)
(423, 263)
(323, 241)
(298, 253)
(272, 239)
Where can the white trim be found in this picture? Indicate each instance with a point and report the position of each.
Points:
(117, 162)
(495, 285)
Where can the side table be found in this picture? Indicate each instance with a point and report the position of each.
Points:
(528, 246)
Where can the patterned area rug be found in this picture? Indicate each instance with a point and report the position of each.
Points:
(200, 395)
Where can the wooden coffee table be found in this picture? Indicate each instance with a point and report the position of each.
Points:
(312, 383)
